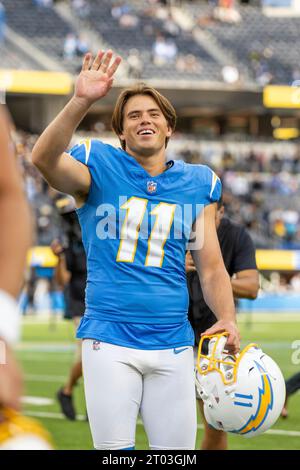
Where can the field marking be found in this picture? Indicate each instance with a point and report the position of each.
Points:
(37, 401)
(42, 414)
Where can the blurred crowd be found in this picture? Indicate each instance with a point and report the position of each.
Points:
(260, 190)
(184, 39)
(40, 196)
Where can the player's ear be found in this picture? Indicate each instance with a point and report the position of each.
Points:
(169, 131)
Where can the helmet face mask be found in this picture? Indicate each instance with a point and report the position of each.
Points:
(242, 394)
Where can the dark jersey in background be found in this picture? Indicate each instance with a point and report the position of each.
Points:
(76, 265)
(238, 254)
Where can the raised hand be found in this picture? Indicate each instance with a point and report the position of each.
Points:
(96, 76)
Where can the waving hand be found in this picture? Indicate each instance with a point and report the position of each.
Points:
(96, 76)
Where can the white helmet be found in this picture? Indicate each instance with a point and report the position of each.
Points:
(242, 394)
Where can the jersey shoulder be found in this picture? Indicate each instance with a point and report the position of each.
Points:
(207, 182)
(90, 151)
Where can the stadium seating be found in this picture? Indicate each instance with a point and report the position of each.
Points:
(13, 58)
(261, 42)
(142, 38)
(261, 48)
(42, 26)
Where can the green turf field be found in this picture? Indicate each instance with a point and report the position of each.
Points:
(46, 353)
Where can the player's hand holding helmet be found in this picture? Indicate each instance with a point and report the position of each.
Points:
(18, 432)
(243, 393)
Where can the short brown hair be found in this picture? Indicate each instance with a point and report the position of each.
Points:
(141, 89)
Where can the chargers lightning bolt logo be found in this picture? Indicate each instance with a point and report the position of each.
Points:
(87, 145)
(265, 404)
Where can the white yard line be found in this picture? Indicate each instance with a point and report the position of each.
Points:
(42, 414)
(37, 401)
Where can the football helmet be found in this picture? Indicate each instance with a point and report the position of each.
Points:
(18, 432)
(244, 393)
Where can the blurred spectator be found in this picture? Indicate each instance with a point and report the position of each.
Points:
(119, 9)
(164, 51)
(226, 12)
(70, 46)
(260, 65)
(82, 45)
(128, 21)
(2, 23)
(135, 64)
(170, 27)
(123, 12)
(81, 8)
(43, 3)
(188, 63)
(275, 163)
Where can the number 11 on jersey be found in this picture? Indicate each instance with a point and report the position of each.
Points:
(136, 208)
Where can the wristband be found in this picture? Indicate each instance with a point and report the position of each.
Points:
(9, 318)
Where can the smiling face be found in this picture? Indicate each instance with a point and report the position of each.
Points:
(145, 128)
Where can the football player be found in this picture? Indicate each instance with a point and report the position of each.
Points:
(239, 257)
(70, 274)
(137, 349)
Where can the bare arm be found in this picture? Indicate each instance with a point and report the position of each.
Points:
(215, 281)
(62, 275)
(59, 169)
(15, 234)
(15, 239)
(245, 284)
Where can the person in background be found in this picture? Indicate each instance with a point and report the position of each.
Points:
(239, 258)
(71, 276)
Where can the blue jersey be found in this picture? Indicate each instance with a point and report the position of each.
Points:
(134, 229)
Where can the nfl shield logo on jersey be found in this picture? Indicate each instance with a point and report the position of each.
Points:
(151, 186)
(96, 345)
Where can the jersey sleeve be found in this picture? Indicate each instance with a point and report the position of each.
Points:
(210, 186)
(215, 187)
(244, 253)
(91, 152)
(82, 151)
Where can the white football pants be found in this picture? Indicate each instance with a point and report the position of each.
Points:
(120, 382)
